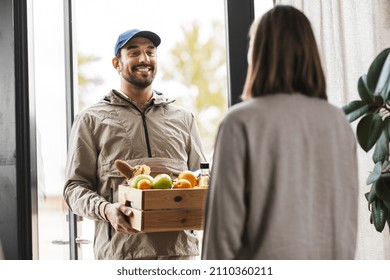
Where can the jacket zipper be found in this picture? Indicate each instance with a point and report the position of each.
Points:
(145, 127)
(146, 132)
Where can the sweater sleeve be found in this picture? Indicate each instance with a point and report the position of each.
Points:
(225, 207)
(80, 191)
(195, 150)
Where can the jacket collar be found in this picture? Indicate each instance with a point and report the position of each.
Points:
(115, 97)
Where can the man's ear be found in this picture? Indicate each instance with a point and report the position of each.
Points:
(115, 63)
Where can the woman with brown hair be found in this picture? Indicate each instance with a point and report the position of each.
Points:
(284, 182)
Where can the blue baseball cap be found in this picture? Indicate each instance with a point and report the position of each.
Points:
(129, 34)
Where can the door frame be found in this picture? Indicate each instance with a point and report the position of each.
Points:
(70, 93)
(239, 15)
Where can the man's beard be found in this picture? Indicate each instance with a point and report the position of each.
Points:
(137, 82)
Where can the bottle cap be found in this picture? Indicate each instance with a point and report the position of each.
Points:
(204, 165)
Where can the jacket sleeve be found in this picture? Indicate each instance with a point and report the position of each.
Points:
(225, 206)
(195, 150)
(80, 191)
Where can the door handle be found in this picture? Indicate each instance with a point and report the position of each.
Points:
(80, 240)
(60, 242)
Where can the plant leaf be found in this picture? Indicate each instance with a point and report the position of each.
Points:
(388, 219)
(379, 214)
(375, 69)
(382, 188)
(387, 204)
(386, 127)
(386, 166)
(364, 92)
(386, 89)
(375, 174)
(378, 102)
(383, 84)
(355, 109)
(368, 131)
(381, 151)
(371, 195)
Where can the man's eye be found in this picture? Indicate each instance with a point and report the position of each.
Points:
(151, 53)
(134, 53)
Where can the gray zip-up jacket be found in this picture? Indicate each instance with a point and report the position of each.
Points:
(164, 137)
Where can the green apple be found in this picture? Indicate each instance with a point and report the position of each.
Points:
(134, 181)
(162, 181)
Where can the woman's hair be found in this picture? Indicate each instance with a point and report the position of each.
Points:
(283, 56)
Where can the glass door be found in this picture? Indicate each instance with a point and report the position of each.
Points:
(192, 70)
(185, 36)
(192, 56)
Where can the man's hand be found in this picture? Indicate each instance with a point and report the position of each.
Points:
(116, 213)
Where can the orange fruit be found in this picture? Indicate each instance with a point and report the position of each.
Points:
(144, 184)
(182, 184)
(188, 175)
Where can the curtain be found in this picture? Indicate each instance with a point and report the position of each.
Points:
(350, 34)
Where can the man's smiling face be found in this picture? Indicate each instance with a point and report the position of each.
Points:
(138, 62)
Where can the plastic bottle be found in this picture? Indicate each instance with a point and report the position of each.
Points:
(204, 175)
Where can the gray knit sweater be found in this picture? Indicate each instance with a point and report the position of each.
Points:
(284, 182)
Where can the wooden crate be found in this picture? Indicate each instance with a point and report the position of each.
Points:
(157, 210)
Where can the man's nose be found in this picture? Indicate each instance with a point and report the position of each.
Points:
(144, 57)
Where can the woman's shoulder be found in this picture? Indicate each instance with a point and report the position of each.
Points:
(257, 105)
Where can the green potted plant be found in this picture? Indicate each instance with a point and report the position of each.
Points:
(373, 131)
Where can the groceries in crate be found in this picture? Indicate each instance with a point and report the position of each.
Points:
(138, 177)
(161, 203)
